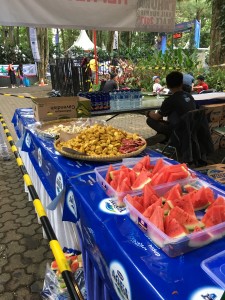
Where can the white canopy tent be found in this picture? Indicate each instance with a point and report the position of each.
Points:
(83, 41)
(123, 15)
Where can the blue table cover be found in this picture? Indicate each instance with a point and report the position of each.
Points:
(125, 261)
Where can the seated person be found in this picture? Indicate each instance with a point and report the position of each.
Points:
(201, 86)
(157, 88)
(188, 82)
(112, 84)
(173, 107)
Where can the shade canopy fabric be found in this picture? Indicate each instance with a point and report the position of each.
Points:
(83, 42)
(123, 15)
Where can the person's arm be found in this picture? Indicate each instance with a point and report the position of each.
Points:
(154, 115)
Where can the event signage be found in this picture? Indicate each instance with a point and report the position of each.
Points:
(123, 15)
(34, 44)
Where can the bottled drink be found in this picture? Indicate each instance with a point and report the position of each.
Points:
(112, 101)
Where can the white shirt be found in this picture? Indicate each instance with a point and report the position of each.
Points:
(156, 87)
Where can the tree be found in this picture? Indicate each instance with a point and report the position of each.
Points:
(43, 45)
(217, 44)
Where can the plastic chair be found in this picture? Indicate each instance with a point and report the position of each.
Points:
(191, 141)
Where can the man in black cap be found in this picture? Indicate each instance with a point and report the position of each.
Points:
(112, 84)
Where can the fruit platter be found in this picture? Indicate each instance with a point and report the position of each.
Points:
(52, 129)
(128, 177)
(101, 142)
(181, 217)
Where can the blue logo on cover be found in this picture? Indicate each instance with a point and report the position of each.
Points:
(70, 200)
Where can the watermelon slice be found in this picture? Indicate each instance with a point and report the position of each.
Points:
(145, 161)
(108, 178)
(219, 201)
(132, 176)
(184, 203)
(202, 198)
(158, 166)
(174, 193)
(150, 196)
(214, 215)
(186, 220)
(150, 210)
(173, 228)
(141, 180)
(157, 218)
(138, 167)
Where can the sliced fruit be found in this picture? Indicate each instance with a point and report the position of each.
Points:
(141, 180)
(108, 178)
(150, 210)
(157, 218)
(173, 228)
(186, 220)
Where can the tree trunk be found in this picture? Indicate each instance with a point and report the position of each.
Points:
(217, 47)
(42, 38)
(109, 46)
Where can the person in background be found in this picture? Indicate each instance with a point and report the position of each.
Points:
(12, 75)
(188, 82)
(93, 67)
(173, 107)
(19, 71)
(112, 84)
(157, 88)
(201, 85)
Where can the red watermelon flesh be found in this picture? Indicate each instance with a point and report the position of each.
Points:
(202, 198)
(219, 201)
(114, 184)
(173, 193)
(184, 203)
(149, 195)
(124, 185)
(173, 228)
(150, 210)
(177, 176)
(141, 180)
(157, 218)
(214, 215)
(158, 166)
(145, 161)
(132, 176)
(138, 206)
(138, 167)
(158, 178)
(186, 220)
(188, 188)
(108, 178)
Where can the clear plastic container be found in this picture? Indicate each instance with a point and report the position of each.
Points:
(130, 163)
(214, 266)
(177, 246)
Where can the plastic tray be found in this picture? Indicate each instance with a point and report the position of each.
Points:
(130, 163)
(214, 266)
(171, 246)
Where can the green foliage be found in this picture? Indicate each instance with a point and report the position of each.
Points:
(215, 78)
(161, 64)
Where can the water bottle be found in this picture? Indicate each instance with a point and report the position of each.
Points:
(112, 101)
(4, 151)
(127, 99)
(132, 98)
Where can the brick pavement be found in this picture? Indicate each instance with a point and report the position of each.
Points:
(23, 251)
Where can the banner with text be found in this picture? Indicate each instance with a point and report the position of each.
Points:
(122, 15)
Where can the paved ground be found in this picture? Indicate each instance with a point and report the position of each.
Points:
(23, 251)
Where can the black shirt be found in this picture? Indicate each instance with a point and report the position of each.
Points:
(110, 86)
(176, 106)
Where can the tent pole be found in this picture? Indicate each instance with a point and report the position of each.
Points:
(95, 53)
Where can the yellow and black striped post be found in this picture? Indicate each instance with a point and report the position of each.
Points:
(60, 258)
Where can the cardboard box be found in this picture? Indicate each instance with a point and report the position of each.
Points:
(214, 112)
(48, 109)
(216, 172)
(213, 125)
(216, 140)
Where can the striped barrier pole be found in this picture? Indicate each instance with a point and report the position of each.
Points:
(59, 256)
